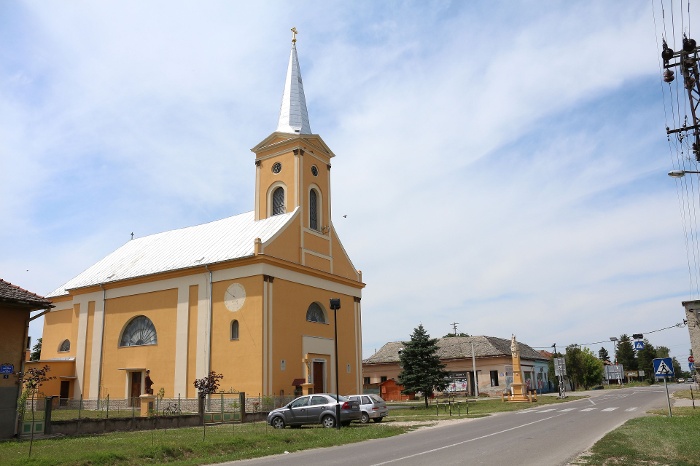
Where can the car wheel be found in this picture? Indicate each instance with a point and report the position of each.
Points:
(365, 418)
(328, 421)
(378, 419)
(277, 423)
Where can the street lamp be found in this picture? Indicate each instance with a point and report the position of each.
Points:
(680, 174)
(335, 305)
(614, 340)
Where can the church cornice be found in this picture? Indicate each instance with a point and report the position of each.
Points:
(290, 142)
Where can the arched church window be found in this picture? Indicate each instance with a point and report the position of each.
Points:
(64, 347)
(278, 201)
(315, 314)
(140, 331)
(234, 330)
(313, 210)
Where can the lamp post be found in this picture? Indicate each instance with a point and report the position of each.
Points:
(679, 174)
(335, 305)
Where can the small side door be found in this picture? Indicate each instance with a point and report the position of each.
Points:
(316, 407)
(298, 411)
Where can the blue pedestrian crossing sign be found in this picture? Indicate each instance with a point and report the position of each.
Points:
(663, 367)
(691, 366)
(639, 345)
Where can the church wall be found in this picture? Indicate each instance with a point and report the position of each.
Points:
(239, 361)
(88, 348)
(292, 336)
(193, 333)
(286, 245)
(285, 177)
(317, 242)
(158, 306)
(64, 325)
(342, 265)
(317, 262)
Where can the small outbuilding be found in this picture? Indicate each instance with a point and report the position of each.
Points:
(16, 304)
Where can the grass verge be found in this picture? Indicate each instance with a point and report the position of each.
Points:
(651, 440)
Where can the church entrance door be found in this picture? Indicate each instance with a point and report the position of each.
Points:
(318, 377)
(135, 391)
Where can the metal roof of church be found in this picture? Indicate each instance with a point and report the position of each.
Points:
(210, 243)
(458, 348)
(294, 118)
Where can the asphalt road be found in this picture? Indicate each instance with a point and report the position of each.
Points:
(547, 434)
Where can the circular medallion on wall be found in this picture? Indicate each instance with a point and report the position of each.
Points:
(314, 170)
(234, 297)
(276, 167)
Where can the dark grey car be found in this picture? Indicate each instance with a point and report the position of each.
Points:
(318, 408)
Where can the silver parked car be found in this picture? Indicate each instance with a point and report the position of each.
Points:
(372, 407)
(318, 408)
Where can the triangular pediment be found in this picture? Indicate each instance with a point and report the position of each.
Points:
(278, 139)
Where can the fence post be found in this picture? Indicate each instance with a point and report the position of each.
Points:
(200, 408)
(47, 414)
(241, 405)
(80, 405)
(108, 406)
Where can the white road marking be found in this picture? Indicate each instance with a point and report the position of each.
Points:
(609, 409)
(629, 410)
(566, 410)
(587, 409)
(467, 441)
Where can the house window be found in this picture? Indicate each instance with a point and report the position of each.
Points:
(366, 381)
(382, 378)
(278, 201)
(140, 331)
(315, 314)
(65, 346)
(313, 210)
(234, 330)
(494, 378)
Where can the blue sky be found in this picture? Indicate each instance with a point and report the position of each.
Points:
(501, 165)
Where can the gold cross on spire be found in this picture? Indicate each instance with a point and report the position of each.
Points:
(294, 35)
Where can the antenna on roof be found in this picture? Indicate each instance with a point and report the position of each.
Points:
(132, 235)
(454, 326)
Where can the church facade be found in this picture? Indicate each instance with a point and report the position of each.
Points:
(245, 296)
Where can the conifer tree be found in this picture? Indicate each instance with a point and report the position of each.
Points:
(421, 369)
(625, 353)
(603, 354)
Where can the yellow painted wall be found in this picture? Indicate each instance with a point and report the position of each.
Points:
(285, 176)
(291, 302)
(63, 326)
(286, 245)
(12, 343)
(60, 370)
(342, 265)
(319, 263)
(161, 308)
(239, 361)
(317, 243)
(192, 339)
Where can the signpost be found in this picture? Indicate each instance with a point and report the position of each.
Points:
(663, 367)
(638, 345)
(560, 372)
(614, 372)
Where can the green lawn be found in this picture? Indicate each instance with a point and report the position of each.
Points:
(650, 440)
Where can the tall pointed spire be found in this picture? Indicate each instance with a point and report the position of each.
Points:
(294, 118)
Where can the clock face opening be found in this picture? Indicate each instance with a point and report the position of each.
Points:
(276, 167)
(234, 298)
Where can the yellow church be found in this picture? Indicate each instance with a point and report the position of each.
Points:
(246, 296)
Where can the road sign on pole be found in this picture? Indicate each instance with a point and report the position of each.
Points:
(639, 345)
(663, 367)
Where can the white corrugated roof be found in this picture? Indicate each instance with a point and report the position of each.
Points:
(222, 240)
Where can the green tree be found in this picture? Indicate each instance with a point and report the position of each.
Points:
(663, 352)
(645, 358)
(574, 365)
(677, 369)
(625, 353)
(36, 351)
(460, 334)
(421, 369)
(592, 369)
(603, 354)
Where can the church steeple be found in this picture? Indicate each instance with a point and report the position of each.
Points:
(294, 118)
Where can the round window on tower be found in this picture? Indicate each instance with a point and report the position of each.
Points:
(314, 170)
(277, 167)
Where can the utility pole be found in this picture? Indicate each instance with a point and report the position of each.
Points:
(454, 326)
(686, 60)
